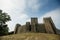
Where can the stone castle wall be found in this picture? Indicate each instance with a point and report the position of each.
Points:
(41, 28)
(47, 27)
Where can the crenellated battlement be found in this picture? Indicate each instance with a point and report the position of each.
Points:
(33, 26)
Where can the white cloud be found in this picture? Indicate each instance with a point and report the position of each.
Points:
(5, 4)
(16, 9)
(21, 19)
(34, 5)
(12, 4)
(55, 15)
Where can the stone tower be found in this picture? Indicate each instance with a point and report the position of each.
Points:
(34, 23)
(49, 25)
(16, 28)
(28, 27)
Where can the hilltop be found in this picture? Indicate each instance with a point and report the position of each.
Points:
(31, 36)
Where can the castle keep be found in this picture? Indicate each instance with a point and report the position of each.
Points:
(33, 26)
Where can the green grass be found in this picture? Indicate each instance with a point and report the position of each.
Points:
(31, 36)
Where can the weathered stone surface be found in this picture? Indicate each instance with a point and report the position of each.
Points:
(49, 25)
(34, 24)
(46, 27)
(28, 27)
(16, 28)
(41, 28)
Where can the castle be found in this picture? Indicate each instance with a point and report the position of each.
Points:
(33, 26)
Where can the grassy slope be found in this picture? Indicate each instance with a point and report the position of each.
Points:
(31, 36)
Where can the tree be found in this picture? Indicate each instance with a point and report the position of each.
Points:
(4, 17)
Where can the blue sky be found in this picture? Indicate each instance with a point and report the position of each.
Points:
(22, 10)
(44, 6)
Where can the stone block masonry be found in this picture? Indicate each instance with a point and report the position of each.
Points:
(33, 26)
